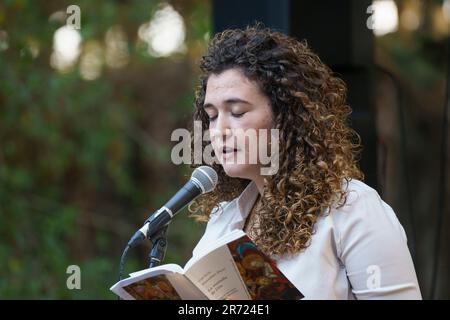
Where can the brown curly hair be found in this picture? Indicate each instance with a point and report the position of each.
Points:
(318, 149)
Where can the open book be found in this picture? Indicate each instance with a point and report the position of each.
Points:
(233, 269)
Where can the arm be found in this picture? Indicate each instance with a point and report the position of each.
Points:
(373, 248)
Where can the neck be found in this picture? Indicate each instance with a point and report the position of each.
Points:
(259, 181)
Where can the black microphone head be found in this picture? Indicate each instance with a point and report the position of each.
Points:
(205, 177)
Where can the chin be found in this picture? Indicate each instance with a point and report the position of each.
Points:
(242, 171)
(236, 170)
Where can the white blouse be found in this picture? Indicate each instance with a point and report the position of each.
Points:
(358, 251)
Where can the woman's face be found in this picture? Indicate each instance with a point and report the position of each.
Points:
(237, 109)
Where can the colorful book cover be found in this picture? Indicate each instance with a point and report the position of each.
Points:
(155, 288)
(263, 279)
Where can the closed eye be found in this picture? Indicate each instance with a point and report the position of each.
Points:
(238, 115)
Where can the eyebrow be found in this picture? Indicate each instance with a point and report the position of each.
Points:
(227, 102)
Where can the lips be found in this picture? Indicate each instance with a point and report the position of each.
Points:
(226, 150)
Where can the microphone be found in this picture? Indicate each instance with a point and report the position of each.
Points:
(203, 180)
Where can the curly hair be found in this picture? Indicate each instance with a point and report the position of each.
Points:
(318, 149)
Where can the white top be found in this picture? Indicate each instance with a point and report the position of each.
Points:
(359, 251)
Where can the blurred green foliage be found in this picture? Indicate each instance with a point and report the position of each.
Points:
(82, 163)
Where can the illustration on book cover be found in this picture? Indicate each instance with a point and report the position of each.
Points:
(263, 279)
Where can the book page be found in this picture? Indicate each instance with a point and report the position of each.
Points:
(165, 267)
(229, 237)
(239, 270)
(217, 277)
(164, 282)
(186, 289)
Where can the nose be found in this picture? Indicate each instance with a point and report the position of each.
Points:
(222, 127)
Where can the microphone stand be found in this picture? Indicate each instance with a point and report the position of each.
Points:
(156, 254)
(159, 247)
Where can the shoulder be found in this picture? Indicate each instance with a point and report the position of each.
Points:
(362, 202)
(365, 217)
(222, 216)
(220, 211)
(358, 191)
(216, 226)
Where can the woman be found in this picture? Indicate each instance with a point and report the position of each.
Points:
(329, 233)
